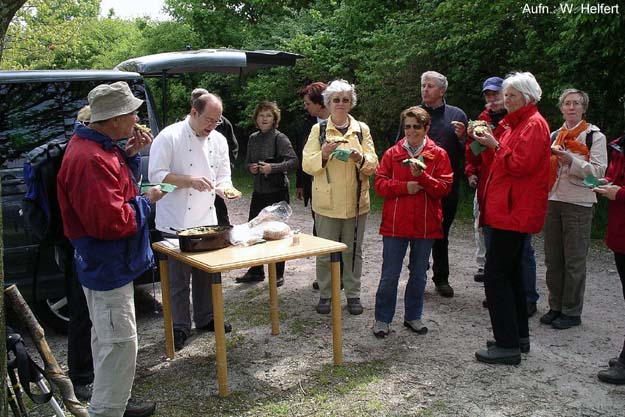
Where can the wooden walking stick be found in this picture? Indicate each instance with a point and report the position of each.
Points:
(52, 370)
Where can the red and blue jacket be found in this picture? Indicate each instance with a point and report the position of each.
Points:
(103, 215)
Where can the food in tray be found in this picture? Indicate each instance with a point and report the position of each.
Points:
(232, 193)
(479, 126)
(200, 230)
(416, 161)
(143, 128)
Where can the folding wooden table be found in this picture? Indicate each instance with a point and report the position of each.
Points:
(235, 257)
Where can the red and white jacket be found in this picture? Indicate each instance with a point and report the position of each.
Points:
(615, 236)
(413, 216)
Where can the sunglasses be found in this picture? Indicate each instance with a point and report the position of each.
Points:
(415, 126)
(338, 100)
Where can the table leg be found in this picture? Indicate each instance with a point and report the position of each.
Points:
(337, 336)
(166, 301)
(220, 334)
(273, 300)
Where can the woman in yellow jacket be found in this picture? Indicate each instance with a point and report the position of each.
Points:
(340, 156)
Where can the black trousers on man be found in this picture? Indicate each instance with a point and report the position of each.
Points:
(503, 283)
(440, 248)
(222, 211)
(619, 260)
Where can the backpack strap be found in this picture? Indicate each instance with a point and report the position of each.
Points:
(322, 132)
(554, 135)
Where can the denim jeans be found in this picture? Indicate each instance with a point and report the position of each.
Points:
(392, 260)
(528, 265)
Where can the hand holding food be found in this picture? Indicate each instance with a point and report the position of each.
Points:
(414, 161)
(231, 193)
(264, 168)
(328, 148)
(459, 128)
(609, 191)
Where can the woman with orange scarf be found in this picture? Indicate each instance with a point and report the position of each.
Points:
(575, 162)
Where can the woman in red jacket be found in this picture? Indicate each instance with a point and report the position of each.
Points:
(411, 215)
(515, 205)
(615, 239)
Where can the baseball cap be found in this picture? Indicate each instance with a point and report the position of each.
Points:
(492, 84)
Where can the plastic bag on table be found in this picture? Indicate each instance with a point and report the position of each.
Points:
(244, 235)
(276, 212)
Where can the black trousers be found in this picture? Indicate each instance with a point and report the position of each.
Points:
(259, 202)
(619, 260)
(79, 359)
(222, 211)
(503, 283)
(440, 248)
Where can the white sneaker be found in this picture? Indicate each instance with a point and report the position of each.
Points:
(381, 329)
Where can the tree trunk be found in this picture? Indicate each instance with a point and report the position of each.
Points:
(8, 8)
(52, 370)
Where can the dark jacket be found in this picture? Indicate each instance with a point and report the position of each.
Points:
(303, 180)
(275, 148)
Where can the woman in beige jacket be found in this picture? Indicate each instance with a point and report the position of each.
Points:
(340, 156)
(579, 153)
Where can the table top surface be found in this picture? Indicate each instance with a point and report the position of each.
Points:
(235, 257)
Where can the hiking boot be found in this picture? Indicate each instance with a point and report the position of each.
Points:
(210, 327)
(613, 375)
(179, 339)
(445, 290)
(324, 306)
(250, 276)
(549, 317)
(136, 408)
(83, 392)
(611, 362)
(479, 277)
(354, 307)
(566, 322)
(524, 344)
(416, 326)
(497, 355)
(531, 309)
(381, 329)
(279, 281)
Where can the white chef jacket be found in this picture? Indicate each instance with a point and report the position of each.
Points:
(178, 150)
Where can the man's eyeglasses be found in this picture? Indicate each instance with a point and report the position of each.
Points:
(213, 121)
(339, 99)
(415, 126)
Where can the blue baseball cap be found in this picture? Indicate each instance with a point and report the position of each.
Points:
(492, 84)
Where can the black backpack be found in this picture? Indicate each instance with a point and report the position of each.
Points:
(40, 206)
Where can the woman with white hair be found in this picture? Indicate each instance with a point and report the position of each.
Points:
(515, 205)
(578, 150)
(340, 156)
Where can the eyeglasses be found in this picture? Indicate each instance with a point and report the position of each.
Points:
(339, 99)
(213, 121)
(415, 126)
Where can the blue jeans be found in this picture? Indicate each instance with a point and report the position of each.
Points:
(528, 266)
(392, 259)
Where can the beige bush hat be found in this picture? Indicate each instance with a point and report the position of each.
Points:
(109, 100)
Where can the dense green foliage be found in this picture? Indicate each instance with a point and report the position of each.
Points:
(380, 45)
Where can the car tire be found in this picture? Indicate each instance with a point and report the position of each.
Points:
(53, 313)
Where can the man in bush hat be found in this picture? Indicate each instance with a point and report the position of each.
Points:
(107, 223)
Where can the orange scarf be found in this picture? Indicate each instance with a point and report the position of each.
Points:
(567, 139)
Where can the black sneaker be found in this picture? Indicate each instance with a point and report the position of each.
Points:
(136, 408)
(613, 375)
(496, 355)
(210, 327)
(479, 277)
(566, 322)
(549, 317)
(250, 277)
(524, 344)
(354, 307)
(613, 361)
(179, 339)
(531, 309)
(445, 290)
(83, 392)
(324, 306)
